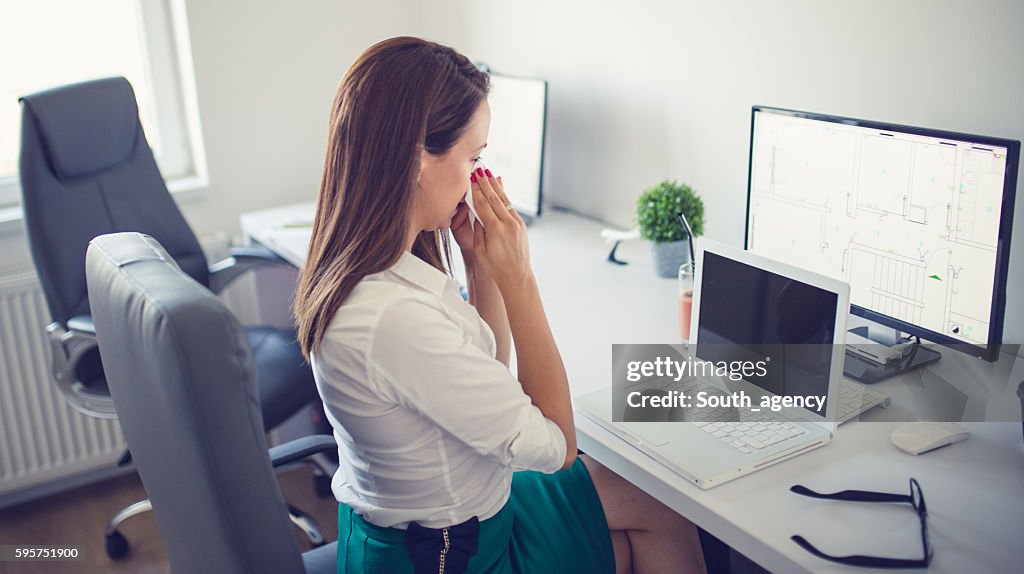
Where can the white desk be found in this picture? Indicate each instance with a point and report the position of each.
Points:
(974, 489)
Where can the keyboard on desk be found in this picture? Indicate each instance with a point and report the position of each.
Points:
(748, 437)
(756, 430)
(854, 399)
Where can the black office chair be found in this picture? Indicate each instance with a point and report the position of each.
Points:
(86, 169)
(180, 371)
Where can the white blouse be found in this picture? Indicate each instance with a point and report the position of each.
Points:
(429, 424)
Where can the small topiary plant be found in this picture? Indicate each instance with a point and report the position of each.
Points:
(657, 212)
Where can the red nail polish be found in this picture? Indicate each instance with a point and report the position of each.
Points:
(472, 177)
(488, 172)
(480, 171)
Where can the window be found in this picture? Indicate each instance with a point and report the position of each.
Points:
(48, 43)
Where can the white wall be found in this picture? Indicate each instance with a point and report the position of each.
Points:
(652, 89)
(266, 72)
(638, 92)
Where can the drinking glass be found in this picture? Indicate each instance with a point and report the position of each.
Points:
(685, 299)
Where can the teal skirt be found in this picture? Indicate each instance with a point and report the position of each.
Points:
(551, 523)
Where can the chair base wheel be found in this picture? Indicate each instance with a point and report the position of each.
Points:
(117, 546)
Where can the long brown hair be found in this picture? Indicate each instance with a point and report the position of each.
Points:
(402, 95)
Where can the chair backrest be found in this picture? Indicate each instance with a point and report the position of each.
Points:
(180, 371)
(86, 169)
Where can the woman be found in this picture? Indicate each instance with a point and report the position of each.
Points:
(429, 420)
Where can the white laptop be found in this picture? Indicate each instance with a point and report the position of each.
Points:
(743, 299)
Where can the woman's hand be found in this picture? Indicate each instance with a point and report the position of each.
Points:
(499, 245)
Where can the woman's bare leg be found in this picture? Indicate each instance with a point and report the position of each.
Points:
(648, 537)
(623, 555)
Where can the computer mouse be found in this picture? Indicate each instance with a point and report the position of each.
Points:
(922, 437)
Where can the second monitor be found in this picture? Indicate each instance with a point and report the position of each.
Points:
(515, 145)
(916, 220)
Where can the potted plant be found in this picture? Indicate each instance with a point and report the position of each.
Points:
(657, 216)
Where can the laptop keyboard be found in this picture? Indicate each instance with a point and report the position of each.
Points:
(748, 437)
(854, 399)
(752, 435)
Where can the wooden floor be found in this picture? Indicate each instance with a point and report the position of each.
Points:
(80, 517)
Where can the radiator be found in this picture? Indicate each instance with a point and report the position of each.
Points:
(42, 438)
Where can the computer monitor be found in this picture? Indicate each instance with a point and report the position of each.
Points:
(515, 145)
(916, 220)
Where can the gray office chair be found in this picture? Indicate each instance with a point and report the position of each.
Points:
(180, 371)
(86, 169)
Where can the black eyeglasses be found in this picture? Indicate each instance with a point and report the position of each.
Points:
(915, 499)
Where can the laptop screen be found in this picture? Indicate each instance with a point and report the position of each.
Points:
(747, 314)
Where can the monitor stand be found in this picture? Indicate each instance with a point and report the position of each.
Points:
(867, 370)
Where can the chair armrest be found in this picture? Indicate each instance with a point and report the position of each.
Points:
(240, 261)
(82, 323)
(71, 345)
(300, 448)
